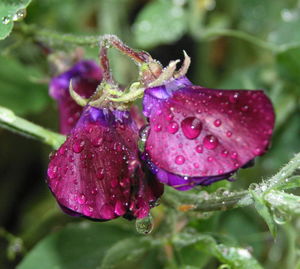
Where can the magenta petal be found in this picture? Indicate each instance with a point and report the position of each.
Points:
(86, 76)
(96, 173)
(200, 132)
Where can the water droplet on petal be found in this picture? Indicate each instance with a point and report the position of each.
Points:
(88, 210)
(224, 153)
(173, 127)
(120, 208)
(52, 171)
(145, 225)
(210, 142)
(78, 146)
(234, 155)
(100, 174)
(97, 141)
(179, 159)
(233, 98)
(81, 199)
(191, 127)
(157, 127)
(217, 123)
(228, 134)
(199, 148)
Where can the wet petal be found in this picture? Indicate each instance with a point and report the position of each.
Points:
(96, 173)
(198, 132)
(86, 76)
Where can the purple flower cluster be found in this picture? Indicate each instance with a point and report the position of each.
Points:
(193, 136)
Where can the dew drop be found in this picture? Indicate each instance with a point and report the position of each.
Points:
(100, 174)
(233, 98)
(173, 127)
(145, 225)
(228, 134)
(52, 171)
(81, 199)
(280, 217)
(19, 15)
(97, 141)
(210, 142)
(179, 160)
(217, 123)
(120, 208)
(88, 210)
(191, 127)
(253, 186)
(157, 127)
(224, 153)
(169, 117)
(199, 148)
(196, 165)
(78, 146)
(245, 108)
(234, 155)
(6, 20)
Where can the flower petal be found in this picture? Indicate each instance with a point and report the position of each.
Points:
(200, 132)
(96, 173)
(85, 75)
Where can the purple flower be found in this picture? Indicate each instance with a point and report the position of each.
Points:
(97, 173)
(198, 135)
(86, 76)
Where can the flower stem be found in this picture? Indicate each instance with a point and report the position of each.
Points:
(204, 202)
(56, 38)
(10, 121)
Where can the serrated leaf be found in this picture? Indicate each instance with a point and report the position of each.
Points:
(9, 13)
(128, 250)
(264, 212)
(81, 245)
(160, 22)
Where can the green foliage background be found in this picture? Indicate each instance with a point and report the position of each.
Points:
(238, 44)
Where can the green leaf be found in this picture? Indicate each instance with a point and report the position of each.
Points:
(128, 251)
(237, 258)
(160, 22)
(17, 90)
(10, 11)
(81, 245)
(289, 65)
(264, 212)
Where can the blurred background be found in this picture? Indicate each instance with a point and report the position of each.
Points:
(233, 44)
